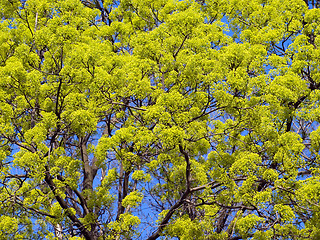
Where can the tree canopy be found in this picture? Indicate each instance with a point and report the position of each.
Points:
(159, 119)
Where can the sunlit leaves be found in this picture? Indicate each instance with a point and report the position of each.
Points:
(205, 113)
(8, 226)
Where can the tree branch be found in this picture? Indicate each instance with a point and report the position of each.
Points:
(166, 219)
(64, 206)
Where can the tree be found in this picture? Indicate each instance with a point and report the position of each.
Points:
(140, 119)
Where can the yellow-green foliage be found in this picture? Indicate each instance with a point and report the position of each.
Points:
(188, 119)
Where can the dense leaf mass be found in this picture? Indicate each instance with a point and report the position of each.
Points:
(162, 119)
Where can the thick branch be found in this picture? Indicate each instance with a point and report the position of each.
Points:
(122, 190)
(64, 206)
(89, 170)
(188, 170)
(166, 219)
